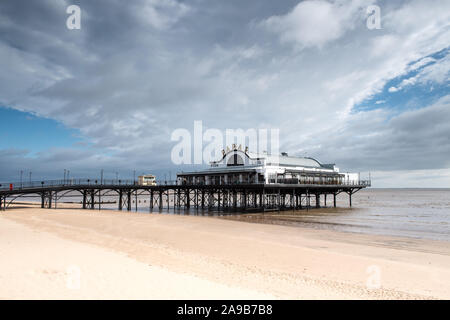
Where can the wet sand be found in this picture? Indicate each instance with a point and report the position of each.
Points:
(135, 255)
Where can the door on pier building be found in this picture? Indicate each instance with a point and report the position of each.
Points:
(234, 178)
(215, 180)
(261, 178)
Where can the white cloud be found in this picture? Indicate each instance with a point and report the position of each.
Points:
(161, 14)
(433, 72)
(438, 72)
(393, 89)
(315, 23)
(429, 178)
(421, 63)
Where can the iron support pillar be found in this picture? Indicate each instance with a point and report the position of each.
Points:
(279, 200)
(136, 199)
(350, 198)
(120, 199)
(84, 199)
(203, 198)
(308, 200)
(263, 204)
(92, 199)
(168, 199)
(50, 195)
(245, 199)
(293, 199)
(218, 198)
(188, 200)
(151, 199)
(128, 200)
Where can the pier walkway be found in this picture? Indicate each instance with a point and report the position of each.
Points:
(169, 194)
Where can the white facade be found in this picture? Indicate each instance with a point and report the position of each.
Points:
(147, 180)
(238, 166)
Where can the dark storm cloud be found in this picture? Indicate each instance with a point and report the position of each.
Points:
(418, 139)
(137, 71)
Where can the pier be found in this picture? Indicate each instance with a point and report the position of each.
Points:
(236, 197)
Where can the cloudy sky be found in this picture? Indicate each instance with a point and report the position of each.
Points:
(110, 94)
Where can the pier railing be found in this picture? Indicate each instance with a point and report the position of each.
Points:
(362, 183)
(127, 182)
(61, 183)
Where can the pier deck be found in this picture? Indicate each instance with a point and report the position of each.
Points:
(226, 197)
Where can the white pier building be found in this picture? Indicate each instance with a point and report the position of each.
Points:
(239, 166)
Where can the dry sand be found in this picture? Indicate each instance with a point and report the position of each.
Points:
(81, 254)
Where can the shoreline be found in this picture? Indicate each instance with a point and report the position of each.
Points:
(296, 219)
(261, 259)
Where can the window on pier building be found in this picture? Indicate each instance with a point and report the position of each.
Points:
(235, 160)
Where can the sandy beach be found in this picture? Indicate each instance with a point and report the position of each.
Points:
(81, 254)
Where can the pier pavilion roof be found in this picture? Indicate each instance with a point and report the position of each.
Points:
(238, 157)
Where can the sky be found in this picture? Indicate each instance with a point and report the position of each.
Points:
(110, 94)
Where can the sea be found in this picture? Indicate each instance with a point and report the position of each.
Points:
(414, 213)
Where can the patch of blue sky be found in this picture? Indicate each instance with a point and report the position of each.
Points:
(413, 96)
(25, 131)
